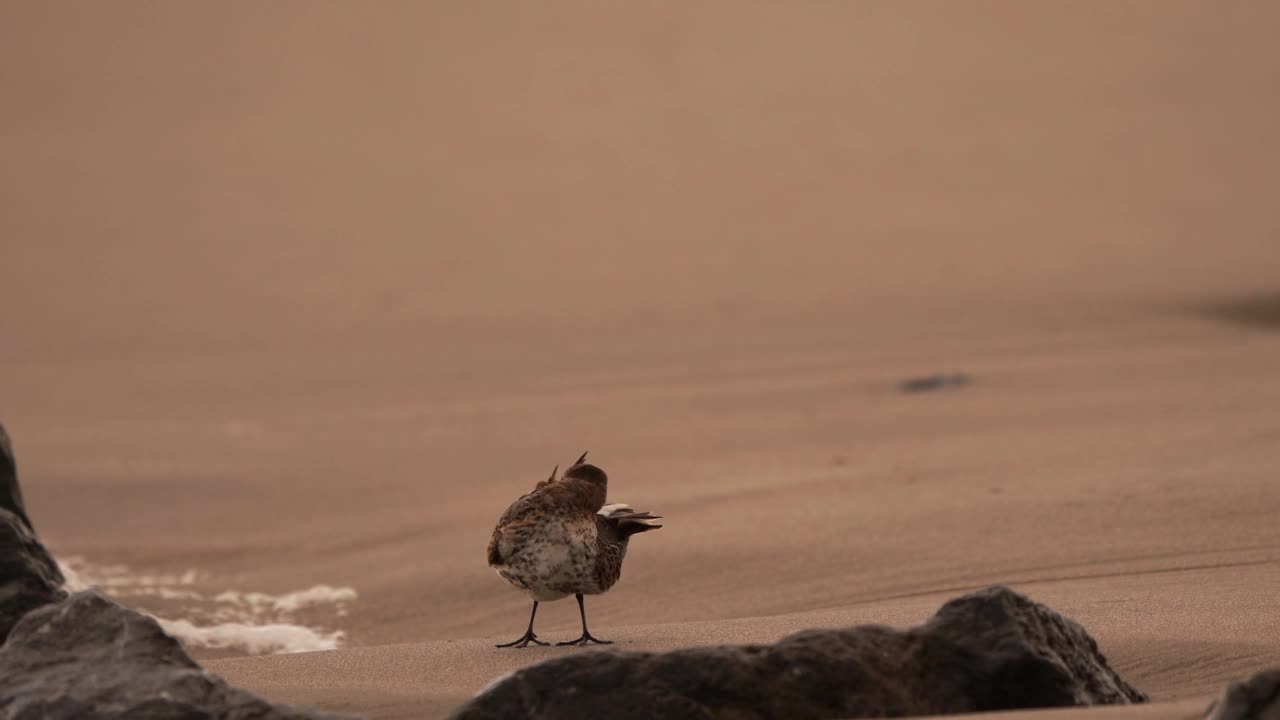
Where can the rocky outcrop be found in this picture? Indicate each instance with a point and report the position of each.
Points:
(1254, 698)
(84, 657)
(1029, 655)
(29, 577)
(992, 650)
(10, 493)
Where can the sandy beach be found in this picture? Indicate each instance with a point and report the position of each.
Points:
(299, 296)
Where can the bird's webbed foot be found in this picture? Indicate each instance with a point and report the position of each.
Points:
(585, 640)
(528, 637)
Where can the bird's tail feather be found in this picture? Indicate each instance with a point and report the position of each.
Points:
(629, 520)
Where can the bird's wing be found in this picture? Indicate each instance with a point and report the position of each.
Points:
(513, 515)
(495, 545)
(548, 500)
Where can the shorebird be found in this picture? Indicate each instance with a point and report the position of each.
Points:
(562, 539)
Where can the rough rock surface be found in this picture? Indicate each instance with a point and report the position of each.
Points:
(992, 650)
(29, 577)
(84, 657)
(10, 493)
(1254, 698)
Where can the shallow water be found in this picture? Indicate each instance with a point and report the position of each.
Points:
(190, 607)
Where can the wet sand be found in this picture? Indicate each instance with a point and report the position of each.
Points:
(304, 295)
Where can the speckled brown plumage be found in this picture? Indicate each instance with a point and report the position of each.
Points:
(561, 539)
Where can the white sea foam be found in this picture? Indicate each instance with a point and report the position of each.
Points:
(252, 622)
(253, 639)
(164, 593)
(80, 575)
(289, 602)
(72, 580)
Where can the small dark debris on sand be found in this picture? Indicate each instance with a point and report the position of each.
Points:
(940, 381)
(1257, 311)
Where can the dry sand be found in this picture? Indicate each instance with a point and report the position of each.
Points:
(301, 293)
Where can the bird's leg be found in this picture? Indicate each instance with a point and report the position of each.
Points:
(528, 636)
(586, 636)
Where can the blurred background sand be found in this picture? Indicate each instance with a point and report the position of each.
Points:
(306, 293)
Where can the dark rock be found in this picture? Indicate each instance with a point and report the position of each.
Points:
(933, 382)
(29, 577)
(89, 658)
(10, 492)
(992, 650)
(1031, 656)
(1255, 698)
